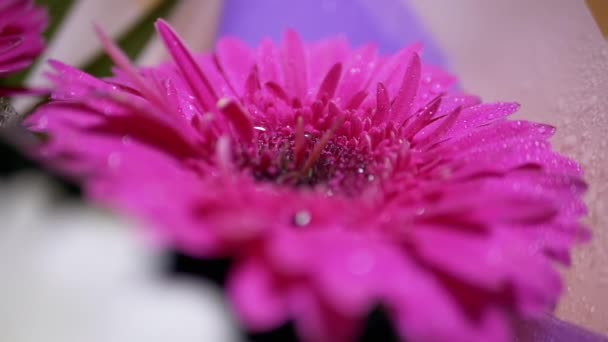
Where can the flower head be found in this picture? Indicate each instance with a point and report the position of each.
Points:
(21, 27)
(337, 180)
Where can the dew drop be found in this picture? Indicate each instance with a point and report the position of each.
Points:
(113, 160)
(302, 218)
(126, 140)
(208, 117)
(43, 122)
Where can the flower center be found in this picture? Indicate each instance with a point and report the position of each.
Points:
(308, 160)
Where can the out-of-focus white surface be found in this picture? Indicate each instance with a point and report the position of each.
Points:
(550, 56)
(75, 41)
(73, 274)
(196, 22)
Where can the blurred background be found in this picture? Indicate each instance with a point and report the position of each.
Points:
(549, 55)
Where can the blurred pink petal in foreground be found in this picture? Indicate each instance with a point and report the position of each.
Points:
(21, 26)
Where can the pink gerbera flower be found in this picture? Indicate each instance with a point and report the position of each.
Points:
(21, 27)
(337, 180)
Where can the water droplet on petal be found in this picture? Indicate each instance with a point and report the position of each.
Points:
(302, 218)
(126, 140)
(113, 160)
(43, 122)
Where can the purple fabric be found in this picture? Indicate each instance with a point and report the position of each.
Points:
(388, 23)
(553, 330)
